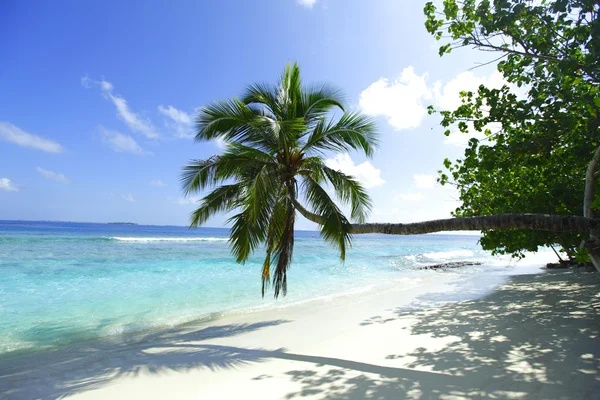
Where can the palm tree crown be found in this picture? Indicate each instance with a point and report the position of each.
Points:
(277, 136)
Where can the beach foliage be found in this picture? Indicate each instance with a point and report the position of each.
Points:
(276, 138)
(541, 130)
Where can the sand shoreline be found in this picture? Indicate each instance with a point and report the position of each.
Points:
(536, 336)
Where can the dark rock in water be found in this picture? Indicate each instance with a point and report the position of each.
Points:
(454, 264)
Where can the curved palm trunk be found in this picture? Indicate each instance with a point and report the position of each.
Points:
(593, 245)
(540, 222)
(307, 214)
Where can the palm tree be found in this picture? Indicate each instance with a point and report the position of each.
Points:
(277, 137)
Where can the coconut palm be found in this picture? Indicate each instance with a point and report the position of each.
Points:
(276, 138)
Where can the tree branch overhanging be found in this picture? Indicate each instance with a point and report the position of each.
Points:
(307, 214)
(541, 222)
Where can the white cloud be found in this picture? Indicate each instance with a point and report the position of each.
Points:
(53, 176)
(128, 198)
(187, 200)
(404, 101)
(306, 3)
(157, 182)
(180, 122)
(409, 196)
(122, 143)
(132, 120)
(424, 181)
(11, 133)
(365, 173)
(7, 185)
(401, 101)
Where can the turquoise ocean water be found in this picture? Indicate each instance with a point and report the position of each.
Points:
(64, 282)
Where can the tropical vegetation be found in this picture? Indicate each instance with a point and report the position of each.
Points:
(542, 140)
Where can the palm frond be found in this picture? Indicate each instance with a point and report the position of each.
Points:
(264, 95)
(221, 199)
(335, 227)
(284, 249)
(348, 190)
(250, 225)
(318, 100)
(228, 119)
(353, 131)
(276, 228)
(290, 91)
(246, 235)
(237, 161)
(234, 121)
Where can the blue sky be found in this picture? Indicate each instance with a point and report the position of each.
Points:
(97, 98)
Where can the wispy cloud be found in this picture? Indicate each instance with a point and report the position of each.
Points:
(53, 176)
(122, 143)
(187, 200)
(128, 198)
(180, 122)
(133, 120)
(157, 182)
(307, 3)
(7, 185)
(365, 173)
(13, 134)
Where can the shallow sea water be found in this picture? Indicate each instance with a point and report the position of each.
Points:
(65, 282)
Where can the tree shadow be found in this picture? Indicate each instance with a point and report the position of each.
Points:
(94, 363)
(535, 337)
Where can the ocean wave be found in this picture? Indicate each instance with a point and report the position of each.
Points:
(27, 239)
(168, 239)
(418, 261)
(448, 255)
(47, 239)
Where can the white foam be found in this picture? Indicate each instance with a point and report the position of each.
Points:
(447, 255)
(169, 239)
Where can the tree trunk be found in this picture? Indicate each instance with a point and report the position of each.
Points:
(539, 222)
(593, 245)
(307, 214)
(590, 185)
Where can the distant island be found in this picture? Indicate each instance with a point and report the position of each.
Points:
(122, 223)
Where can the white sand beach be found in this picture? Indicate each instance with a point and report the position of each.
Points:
(536, 336)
